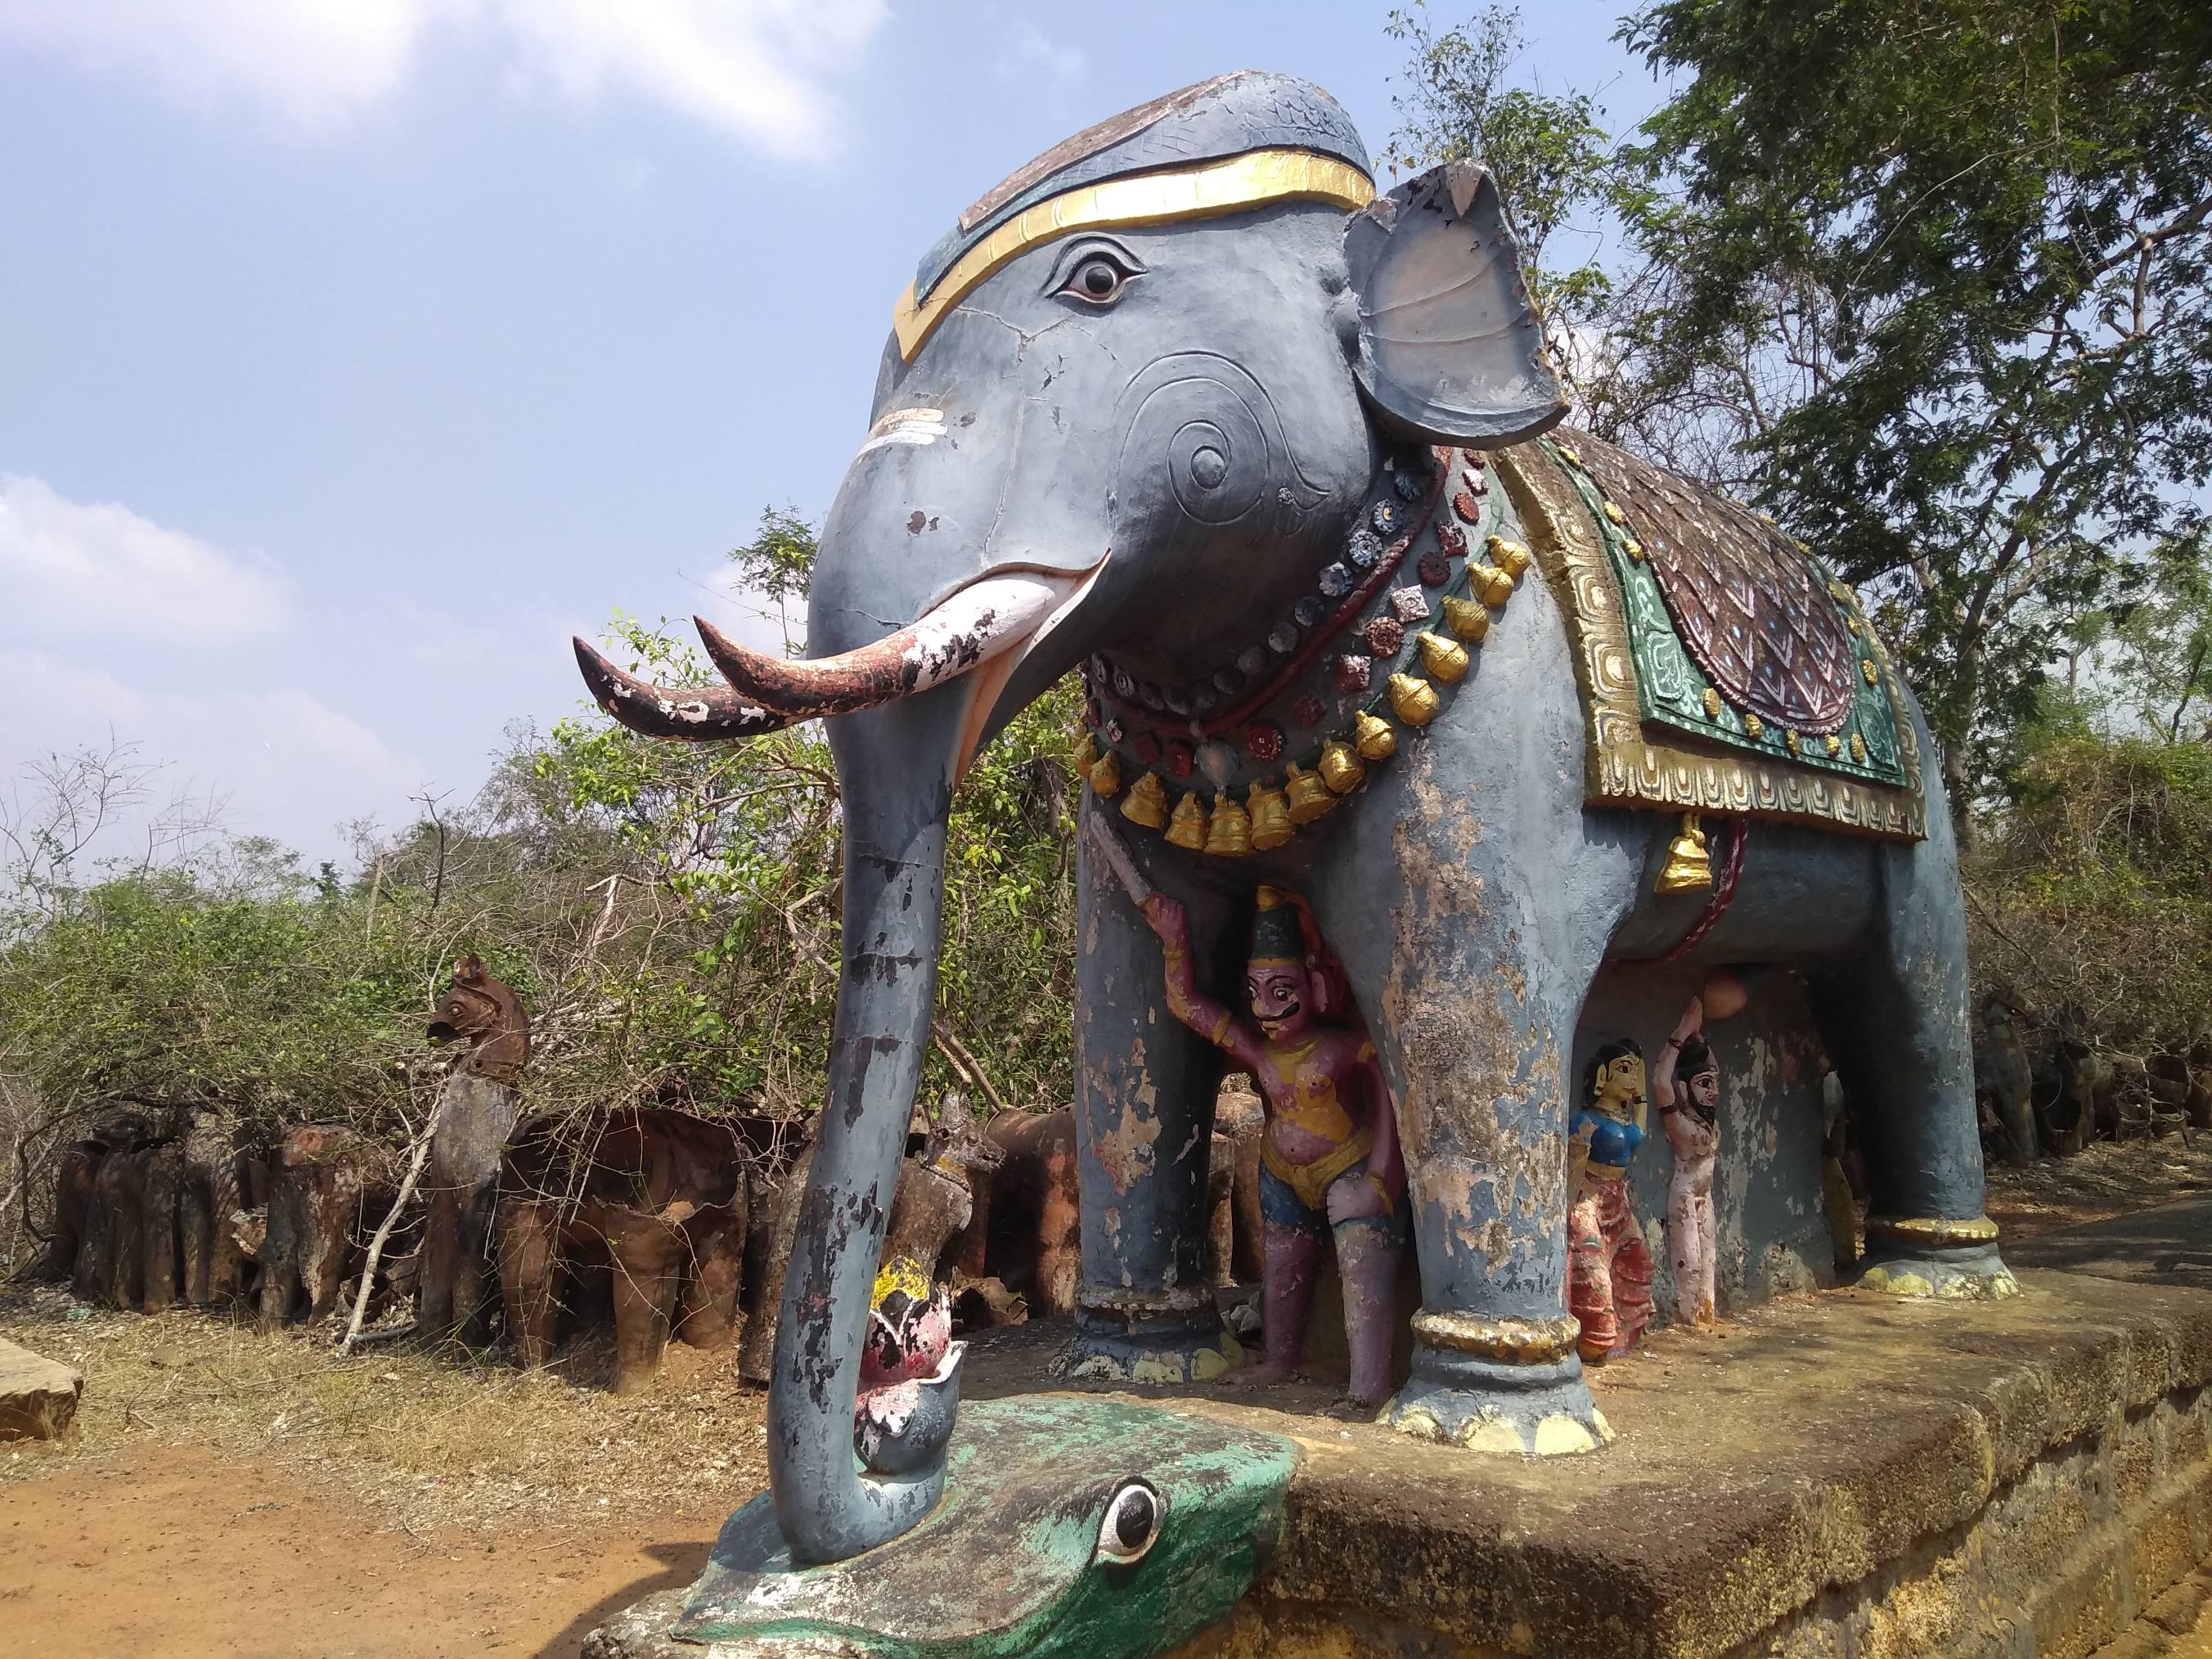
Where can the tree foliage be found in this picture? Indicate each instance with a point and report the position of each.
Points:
(1971, 238)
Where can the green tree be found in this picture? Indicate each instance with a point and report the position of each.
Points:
(1941, 266)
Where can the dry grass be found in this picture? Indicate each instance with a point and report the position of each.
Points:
(429, 1440)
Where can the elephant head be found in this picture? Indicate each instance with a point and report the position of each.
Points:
(1130, 406)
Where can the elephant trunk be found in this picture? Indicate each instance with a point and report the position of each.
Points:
(895, 766)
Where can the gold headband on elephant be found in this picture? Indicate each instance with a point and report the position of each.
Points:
(1207, 190)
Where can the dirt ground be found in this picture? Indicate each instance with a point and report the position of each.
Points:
(2106, 1179)
(227, 1493)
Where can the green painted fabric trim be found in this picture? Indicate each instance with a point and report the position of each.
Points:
(1670, 690)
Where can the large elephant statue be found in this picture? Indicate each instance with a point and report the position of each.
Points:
(1186, 405)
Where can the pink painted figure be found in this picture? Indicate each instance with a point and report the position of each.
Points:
(1686, 1083)
(1330, 1162)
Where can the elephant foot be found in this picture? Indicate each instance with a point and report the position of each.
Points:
(1502, 1385)
(1947, 1259)
(1156, 1337)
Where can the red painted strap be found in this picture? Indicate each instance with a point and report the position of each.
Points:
(1723, 894)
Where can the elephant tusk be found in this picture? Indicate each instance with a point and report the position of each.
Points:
(690, 713)
(983, 620)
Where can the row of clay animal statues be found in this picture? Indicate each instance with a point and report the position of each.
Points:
(663, 1223)
(2042, 1088)
(656, 1220)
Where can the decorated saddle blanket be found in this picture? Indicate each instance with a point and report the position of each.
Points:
(1722, 668)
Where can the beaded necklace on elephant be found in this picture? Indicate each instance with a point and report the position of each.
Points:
(1326, 691)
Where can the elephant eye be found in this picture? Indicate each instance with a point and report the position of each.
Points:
(1131, 1522)
(1098, 279)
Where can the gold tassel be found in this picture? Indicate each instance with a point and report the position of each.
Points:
(1271, 818)
(1489, 584)
(1467, 620)
(1229, 835)
(1187, 828)
(1106, 776)
(1689, 866)
(1509, 555)
(1147, 803)
(1341, 769)
(1310, 797)
(1375, 740)
(1445, 659)
(1413, 699)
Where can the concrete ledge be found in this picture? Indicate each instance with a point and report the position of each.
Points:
(1832, 1475)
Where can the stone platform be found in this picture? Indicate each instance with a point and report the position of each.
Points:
(1830, 1474)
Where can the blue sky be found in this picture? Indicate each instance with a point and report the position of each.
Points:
(355, 353)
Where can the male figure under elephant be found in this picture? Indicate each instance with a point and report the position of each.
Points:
(1329, 1162)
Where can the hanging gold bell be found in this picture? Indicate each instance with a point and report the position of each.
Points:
(1467, 620)
(1086, 751)
(1489, 584)
(1510, 556)
(1271, 818)
(1754, 727)
(1147, 803)
(1341, 769)
(1106, 776)
(1373, 737)
(1443, 660)
(1689, 866)
(1413, 699)
(1308, 791)
(1229, 835)
(1187, 828)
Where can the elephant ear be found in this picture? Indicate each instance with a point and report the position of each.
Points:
(1451, 349)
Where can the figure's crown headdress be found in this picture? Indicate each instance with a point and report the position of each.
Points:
(1277, 937)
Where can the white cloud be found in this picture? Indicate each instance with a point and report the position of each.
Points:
(314, 63)
(77, 567)
(290, 766)
(754, 68)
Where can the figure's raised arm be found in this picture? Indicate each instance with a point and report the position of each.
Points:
(1664, 1093)
(1168, 919)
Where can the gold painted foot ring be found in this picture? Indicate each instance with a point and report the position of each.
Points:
(1513, 1341)
(1932, 1231)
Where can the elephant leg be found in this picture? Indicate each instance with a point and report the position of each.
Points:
(1894, 1019)
(647, 1253)
(1144, 1108)
(1472, 975)
(529, 1247)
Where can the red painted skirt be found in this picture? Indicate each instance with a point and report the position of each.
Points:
(1608, 1272)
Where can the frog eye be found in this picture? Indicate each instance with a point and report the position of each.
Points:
(1131, 1522)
